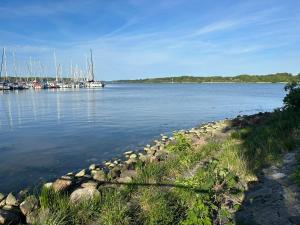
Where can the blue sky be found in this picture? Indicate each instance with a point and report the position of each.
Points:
(142, 38)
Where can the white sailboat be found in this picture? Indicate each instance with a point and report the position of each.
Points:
(91, 83)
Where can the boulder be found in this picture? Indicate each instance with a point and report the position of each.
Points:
(133, 156)
(2, 203)
(128, 173)
(90, 184)
(30, 204)
(161, 156)
(130, 163)
(11, 200)
(114, 173)
(62, 184)
(83, 194)
(48, 185)
(9, 217)
(81, 173)
(92, 167)
(124, 180)
(98, 175)
(128, 153)
(32, 217)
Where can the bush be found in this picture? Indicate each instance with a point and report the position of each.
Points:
(292, 99)
(182, 143)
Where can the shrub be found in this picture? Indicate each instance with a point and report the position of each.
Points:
(292, 99)
(182, 143)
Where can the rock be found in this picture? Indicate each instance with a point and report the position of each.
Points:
(11, 200)
(22, 194)
(133, 156)
(32, 217)
(81, 173)
(130, 164)
(277, 176)
(31, 203)
(98, 175)
(128, 173)
(9, 217)
(2, 203)
(124, 180)
(48, 185)
(83, 194)
(161, 156)
(90, 184)
(2, 196)
(128, 153)
(62, 184)
(92, 167)
(114, 173)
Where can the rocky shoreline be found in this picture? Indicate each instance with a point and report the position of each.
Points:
(83, 185)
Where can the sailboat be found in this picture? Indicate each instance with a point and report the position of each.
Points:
(4, 85)
(91, 83)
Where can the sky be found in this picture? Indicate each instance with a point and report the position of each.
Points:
(134, 39)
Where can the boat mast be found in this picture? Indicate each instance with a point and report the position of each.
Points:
(15, 66)
(4, 65)
(30, 68)
(2, 60)
(56, 69)
(92, 66)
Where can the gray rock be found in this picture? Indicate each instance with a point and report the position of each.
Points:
(90, 184)
(9, 217)
(48, 185)
(130, 163)
(133, 156)
(98, 175)
(92, 167)
(62, 184)
(2, 203)
(31, 203)
(81, 173)
(83, 194)
(277, 176)
(128, 153)
(128, 173)
(11, 200)
(114, 173)
(31, 218)
(124, 180)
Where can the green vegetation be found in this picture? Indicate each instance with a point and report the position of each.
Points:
(271, 78)
(202, 181)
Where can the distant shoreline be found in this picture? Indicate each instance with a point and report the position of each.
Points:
(217, 82)
(270, 78)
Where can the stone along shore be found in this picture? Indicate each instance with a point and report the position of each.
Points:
(84, 184)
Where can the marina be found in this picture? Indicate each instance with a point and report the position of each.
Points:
(76, 78)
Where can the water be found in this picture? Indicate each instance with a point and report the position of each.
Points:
(47, 133)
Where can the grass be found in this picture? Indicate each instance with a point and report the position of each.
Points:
(164, 193)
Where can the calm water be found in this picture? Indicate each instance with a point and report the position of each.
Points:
(44, 134)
